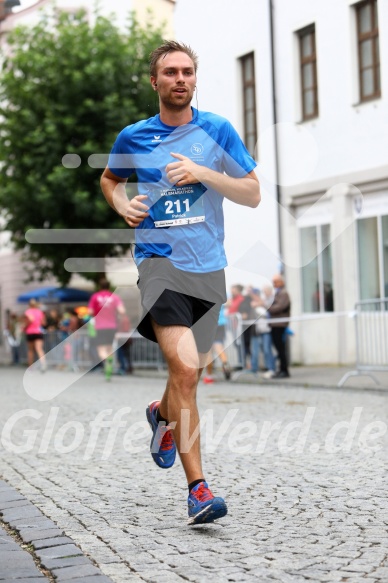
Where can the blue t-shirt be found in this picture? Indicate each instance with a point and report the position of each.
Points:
(186, 224)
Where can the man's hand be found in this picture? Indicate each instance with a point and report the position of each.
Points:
(245, 190)
(183, 172)
(136, 211)
(133, 211)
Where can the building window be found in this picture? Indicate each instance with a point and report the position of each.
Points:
(317, 277)
(368, 50)
(249, 102)
(308, 73)
(372, 241)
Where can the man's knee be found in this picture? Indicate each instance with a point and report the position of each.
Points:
(184, 378)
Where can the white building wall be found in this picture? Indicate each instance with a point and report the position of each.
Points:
(349, 137)
(220, 33)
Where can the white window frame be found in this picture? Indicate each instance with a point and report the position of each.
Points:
(380, 258)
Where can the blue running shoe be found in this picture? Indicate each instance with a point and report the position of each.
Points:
(163, 448)
(203, 506)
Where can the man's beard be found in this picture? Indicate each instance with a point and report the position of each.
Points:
(173, 105)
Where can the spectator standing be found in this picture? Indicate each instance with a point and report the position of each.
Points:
(73, 340)
(106, 308)
(236, 298)
(238, 303)
(35, 320)
(53, 319)
(247, 312)
(124, 355)
(280, 309)
(14, 335)
(261, 340)
(64, 324)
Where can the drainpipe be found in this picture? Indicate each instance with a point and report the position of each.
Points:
(275, 121)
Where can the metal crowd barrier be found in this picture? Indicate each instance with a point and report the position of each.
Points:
(371, 326)
(144, 353)
(78, 351)
(234, 342)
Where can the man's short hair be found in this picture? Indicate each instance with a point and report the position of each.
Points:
(171, 46)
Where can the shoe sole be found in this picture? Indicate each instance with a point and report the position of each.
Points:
(165, 466)
(209, 514)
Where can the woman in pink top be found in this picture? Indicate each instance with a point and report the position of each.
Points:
(34, 322)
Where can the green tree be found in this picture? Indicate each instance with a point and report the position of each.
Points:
(67, 87)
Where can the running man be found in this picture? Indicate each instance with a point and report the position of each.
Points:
(106, 307)
(186, 161)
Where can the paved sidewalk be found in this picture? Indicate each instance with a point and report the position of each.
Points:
(302, 466)
(322, 376)
(328, 376)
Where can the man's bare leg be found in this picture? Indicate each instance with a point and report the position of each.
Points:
(181, 393)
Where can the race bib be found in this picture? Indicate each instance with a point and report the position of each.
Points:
(179, 205)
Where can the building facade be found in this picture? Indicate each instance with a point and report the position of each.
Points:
(319, 70)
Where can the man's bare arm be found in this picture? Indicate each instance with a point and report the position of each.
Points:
(244, 191)
(133, 211)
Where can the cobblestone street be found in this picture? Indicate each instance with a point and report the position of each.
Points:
(303, 470)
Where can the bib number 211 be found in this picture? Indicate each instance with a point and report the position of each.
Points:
(180, 206)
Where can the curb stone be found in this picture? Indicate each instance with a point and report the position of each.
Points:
(54, 552)
(17, 561)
